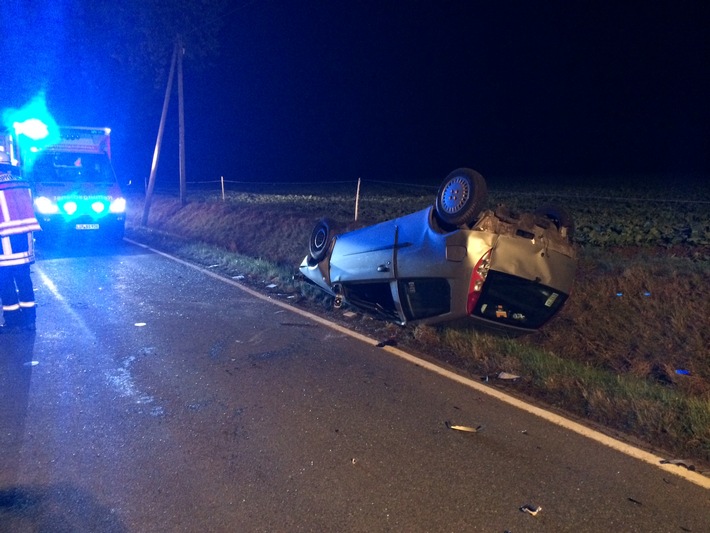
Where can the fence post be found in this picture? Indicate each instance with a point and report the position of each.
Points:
(222, 180)
(357, 198)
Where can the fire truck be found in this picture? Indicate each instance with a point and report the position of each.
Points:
(74, 185)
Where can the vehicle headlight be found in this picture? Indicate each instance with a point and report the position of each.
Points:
(98, 207)
(45, 206)
(70, 207)
(118, 205)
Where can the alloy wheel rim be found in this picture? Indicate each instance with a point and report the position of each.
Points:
(455, 195)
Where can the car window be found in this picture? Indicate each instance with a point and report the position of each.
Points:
(374, 297)
(424, 298)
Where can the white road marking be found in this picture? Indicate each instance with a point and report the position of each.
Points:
(620, 446)
(118, 378)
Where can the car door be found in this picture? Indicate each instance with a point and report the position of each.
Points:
(365, 255)
(363, 266)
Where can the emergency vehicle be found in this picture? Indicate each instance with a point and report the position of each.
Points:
(73, 181)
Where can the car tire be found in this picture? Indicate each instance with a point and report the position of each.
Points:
(320, 239)
(461, 197)
(560, 217)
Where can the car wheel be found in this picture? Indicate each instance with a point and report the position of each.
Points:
(560, 217)
(321, 236)
(461, 197)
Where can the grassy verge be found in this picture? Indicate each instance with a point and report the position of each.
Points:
(629, 351)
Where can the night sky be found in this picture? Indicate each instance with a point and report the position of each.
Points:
(408, 91)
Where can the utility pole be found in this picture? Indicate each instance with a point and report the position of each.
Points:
(159, 140)
(181, 121)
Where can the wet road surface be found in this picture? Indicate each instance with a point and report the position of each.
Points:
(155, 398)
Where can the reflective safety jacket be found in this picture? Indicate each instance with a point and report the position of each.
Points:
(17, 221)
(16, 211)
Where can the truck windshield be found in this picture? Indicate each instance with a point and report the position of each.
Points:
(72, 167)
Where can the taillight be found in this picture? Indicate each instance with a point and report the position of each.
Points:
(478, 277)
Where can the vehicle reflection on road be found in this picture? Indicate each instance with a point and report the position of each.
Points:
(25, 506)
(16, 353)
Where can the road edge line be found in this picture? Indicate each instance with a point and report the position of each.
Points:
(558, 420)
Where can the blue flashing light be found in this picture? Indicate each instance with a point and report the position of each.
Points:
(70, 207)
(33, 124)
(33, 128)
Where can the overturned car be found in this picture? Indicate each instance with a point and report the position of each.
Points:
(451, 261)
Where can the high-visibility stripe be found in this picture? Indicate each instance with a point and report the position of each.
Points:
(20, 225)
(27, 305)
(3, 207)
(10, 258)
(16, 212)
(13, 307)
(14, 262)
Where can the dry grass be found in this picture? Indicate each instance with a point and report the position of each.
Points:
(644, 316)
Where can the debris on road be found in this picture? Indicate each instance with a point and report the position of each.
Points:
(466, 429)
(507, 376)
(679, 462)
(531, 509)
(388, 342)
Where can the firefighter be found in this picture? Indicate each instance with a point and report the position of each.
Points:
(17, 222)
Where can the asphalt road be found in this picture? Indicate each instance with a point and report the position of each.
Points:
(154, 397)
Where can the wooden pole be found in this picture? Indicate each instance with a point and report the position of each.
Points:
(181, 120)
(159, 140)
(357, 198)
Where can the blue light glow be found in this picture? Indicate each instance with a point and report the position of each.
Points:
(70, 208)
(33, 128)
(118, 205)
(33, 124)
(76, 206)
(45, 206)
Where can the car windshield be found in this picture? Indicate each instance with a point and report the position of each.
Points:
(516, 301)
(65, 167)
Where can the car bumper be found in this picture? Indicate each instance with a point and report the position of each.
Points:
(111, 225)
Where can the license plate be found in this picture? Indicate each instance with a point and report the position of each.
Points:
(87, 226)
